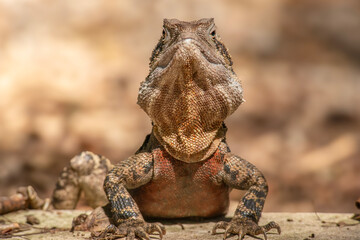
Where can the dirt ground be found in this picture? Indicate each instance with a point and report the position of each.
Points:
(294, 226)
(70, 73)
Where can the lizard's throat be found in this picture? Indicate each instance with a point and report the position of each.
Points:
(188, 104)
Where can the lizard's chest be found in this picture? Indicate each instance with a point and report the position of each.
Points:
(180, 189)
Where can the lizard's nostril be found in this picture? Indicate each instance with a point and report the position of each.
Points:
(187, 41)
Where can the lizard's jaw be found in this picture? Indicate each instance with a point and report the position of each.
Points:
(188, 49)
(188, 97)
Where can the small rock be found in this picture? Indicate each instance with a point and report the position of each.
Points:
(32, 220)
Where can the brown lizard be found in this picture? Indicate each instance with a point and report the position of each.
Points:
(184, 167)
(84, 175)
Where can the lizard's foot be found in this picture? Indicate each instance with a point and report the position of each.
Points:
(130, 230)
(241, 227)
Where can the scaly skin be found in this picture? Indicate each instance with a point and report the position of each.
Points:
(185, 167)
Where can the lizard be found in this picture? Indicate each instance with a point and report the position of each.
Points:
(84, 175)
(185, 167)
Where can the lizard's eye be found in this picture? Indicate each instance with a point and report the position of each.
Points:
(213, 33)
(165, 34)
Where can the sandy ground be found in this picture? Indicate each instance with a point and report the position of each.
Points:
(295, 226)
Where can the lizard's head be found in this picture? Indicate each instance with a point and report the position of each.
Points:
(191, 87)
(193, 38)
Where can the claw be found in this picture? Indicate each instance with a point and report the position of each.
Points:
(139, 232)
(241, 234)
(263, 232)
(130, 235)
(109, 229)
(226, 231)
(213, 231)
(159, 230)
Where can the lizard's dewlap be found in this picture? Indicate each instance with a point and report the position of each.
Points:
(188, 95)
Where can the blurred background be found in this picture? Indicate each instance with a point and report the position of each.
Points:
(70, 73)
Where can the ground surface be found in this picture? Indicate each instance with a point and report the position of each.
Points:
(294, 226)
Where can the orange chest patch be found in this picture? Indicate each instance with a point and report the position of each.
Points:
(180, 189)
(175, 172)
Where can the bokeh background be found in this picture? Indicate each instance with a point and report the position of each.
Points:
(70, 73)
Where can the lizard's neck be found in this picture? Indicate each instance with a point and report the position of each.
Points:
(178, 150)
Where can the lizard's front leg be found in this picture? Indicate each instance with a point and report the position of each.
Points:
(240, 174)
(129, 174)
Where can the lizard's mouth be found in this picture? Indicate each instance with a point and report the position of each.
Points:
(187, 51)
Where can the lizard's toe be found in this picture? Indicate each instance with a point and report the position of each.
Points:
(130, 234)
(110, 232)
(219, 225)
(272, 225)
(152, 228)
